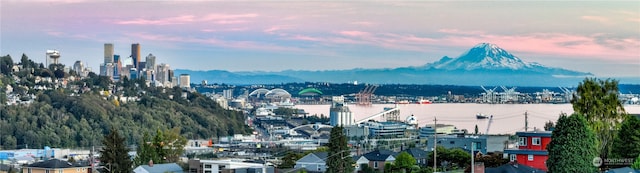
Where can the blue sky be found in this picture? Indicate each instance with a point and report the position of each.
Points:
(598, 37)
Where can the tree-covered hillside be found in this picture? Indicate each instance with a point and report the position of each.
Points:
(80, 113)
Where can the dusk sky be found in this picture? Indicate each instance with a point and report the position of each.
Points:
(598, 37)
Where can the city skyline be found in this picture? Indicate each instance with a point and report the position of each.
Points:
(598, 37)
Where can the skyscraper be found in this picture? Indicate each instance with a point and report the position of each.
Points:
(135, 55)
(150, 63)
(108, 53)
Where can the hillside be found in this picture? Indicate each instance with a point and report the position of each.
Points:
(79, 114)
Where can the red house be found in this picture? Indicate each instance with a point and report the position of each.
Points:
(532, 149)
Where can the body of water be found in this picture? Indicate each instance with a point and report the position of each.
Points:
(507, 118)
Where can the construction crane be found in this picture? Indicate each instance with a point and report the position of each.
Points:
(489, 125)
(364, 96)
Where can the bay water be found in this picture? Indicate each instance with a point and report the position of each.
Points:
(507, 118)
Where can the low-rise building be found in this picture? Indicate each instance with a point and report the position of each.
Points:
(315, 162)
(159, 168)
(57, 166)
(462, 141)
(228, 166)
(532, 149)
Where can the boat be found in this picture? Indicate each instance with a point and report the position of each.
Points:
(403, 102)
(422, 101)
(481, 116)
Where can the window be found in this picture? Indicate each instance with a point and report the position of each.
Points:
(375, 164)
(478, 146)
(207, 166)
(530, 157)
(522, 141)
(512, 157)
(60, 171)
(535, 141)
(28, 170)
(452, 142)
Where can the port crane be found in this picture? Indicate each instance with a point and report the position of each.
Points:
(364, 97)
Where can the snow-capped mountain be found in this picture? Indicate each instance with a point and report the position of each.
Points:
(490, 57)
(484, 64)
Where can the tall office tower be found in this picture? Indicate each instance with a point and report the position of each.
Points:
(135, 54)
(185, 81)
(150, 62)
(117, 63)
(162, 75)
(52, 57)
(79, 68)
(108, 53)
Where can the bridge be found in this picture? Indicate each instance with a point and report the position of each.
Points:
(392, 114)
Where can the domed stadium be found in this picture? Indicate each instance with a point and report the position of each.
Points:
(310, 92)
(273, 95)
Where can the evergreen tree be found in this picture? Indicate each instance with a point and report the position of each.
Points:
(627, 141)
(114, 155)
(598, 101)
(145, 152)
(339, 159)
(636, 164)
(566, 152)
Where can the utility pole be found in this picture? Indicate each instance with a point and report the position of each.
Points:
(435, 143)
(473, 167)
(526, 121)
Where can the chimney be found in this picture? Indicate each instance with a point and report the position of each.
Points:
(150, 163)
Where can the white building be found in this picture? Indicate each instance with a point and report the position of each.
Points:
(339, 113)
(52, 57)
(185, 81)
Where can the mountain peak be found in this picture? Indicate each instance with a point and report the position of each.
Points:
(483, 56)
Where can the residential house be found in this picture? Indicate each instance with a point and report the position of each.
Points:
(418, 154)
(378, 158)
(159, 168)
(513, 167)
(315, 162)
(7, 168)
(532, 149)
(360, 160)
(55, 165)
(228, 165)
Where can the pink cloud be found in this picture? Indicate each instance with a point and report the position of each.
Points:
(216, 18)
(354, 33)
(164, 21)
(212, 41)
(557, 44)
(225, 29)
(596, 19)
(363, 23)
(274, 29)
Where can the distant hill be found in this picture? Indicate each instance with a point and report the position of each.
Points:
(484, 64)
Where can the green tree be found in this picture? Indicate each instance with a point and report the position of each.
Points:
(145, 152)
(6, 64)
(627, 141)
(404, 161)
(636, 164)
(548, 125)
(598, 101)
(566, 154)
(339, 159)
(289, 160)
(114, 155)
